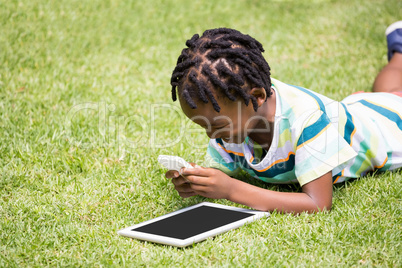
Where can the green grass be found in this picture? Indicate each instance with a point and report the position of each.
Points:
(72, 175)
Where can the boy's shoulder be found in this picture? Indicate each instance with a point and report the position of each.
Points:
(296, 101)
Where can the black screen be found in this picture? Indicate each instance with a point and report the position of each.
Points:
(193, 222)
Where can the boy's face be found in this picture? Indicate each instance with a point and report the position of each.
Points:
(233, 123)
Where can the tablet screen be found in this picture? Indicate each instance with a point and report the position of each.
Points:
(193, 222)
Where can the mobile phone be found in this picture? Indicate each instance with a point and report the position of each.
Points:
(173, 162)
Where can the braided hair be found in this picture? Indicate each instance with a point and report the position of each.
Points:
(223, 59)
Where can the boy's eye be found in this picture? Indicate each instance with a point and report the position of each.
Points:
(220, 127)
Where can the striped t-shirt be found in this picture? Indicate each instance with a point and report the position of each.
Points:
(314, 134)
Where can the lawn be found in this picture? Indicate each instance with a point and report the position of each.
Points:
(85, 110)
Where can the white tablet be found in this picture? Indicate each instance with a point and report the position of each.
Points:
(193, 224)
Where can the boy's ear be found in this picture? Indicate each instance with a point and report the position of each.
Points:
(259, 94)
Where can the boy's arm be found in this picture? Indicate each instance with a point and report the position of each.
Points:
(315, 196)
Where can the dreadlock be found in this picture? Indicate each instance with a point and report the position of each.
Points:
(223, 59)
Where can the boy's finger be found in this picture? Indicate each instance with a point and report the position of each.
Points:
(199, 180)
(180, 180)
(172, 174)
(198, 171)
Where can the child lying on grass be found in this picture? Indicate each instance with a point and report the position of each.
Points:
(281, 133)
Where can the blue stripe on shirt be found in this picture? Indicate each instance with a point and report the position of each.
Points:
(312, 131)
(385, 112)
(279, 168)
(318, 100)
(349, 126)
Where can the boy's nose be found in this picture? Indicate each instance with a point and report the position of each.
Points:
(213, 135)
(216, 135)
(209, 134)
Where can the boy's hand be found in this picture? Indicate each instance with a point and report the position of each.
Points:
(207, 182)
(181, 184)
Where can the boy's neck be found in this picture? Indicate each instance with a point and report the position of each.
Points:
(267, 111)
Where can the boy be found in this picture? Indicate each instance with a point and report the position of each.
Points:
(280, 133)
